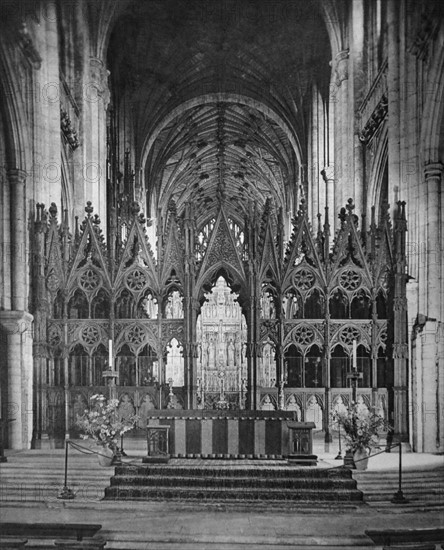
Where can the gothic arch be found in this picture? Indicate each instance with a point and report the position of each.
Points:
(432, 137)
(14, 114)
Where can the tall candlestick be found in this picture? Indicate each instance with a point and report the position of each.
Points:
(110, 358)
(355, 356)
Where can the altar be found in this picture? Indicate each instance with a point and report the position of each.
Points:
(226, 434)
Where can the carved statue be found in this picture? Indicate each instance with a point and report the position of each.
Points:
(176, 305)
(169, 308)
(231, 353)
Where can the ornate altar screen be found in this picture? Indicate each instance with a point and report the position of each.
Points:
(221, 335)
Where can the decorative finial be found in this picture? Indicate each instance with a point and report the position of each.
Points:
(53, 210)
(89, 209)
(350, 206)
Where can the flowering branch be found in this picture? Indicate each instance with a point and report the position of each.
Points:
(361, 427)
(102, 422)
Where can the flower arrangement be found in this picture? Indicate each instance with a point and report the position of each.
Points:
(103, 423)
(362, 427)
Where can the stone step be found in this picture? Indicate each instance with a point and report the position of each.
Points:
(131, 492)
(176, 480)
(124, 541)
(424, 489)
(234, 469)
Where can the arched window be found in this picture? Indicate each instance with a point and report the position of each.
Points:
(58, 377)
(381, 368)
(58, 306)
(292, 305)
(360, 306)
(338, 305)
(98, 365)
(314, 305)
(100, 305)
(313, 368)
(381, 305)
(78, 307)
(293, 361)
(147, 307)
(78, 367)
(125, 305)
(338, 367)
(174, 366)
(364, 364)
(126, 366)
(148, 367)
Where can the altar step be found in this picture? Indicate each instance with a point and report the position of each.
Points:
(423, 489)
(38, 476)
(232, 482)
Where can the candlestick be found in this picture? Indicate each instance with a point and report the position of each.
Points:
(110, 357)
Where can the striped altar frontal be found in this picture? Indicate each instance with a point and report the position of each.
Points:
(222, 434)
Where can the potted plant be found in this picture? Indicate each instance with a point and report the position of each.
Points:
(362, 428)
(103, 423)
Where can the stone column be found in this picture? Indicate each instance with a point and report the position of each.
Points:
(18, 239)
(342, 131)
(6, 248)
(432, 345)
(96, 97)
(17, 326)
(432, 285)
(393, 91)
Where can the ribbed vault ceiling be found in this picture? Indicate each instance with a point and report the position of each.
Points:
(175, 56)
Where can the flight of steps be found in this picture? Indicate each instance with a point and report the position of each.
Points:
(423, 489)
(263, 481)
(38, 476)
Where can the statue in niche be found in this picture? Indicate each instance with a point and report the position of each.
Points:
(221, 349)
(149, 306)
(173, 402)
(294, 308)
(268, 310)
(145, 408)
(176, 307)
(285, 306)
(169, 308)
(204, 354)
(79, 406)
(212, 353)
(231, 353)
(126, 408)
(267, 405)
(293, 406)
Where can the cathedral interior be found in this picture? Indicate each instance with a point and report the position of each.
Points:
(221, 205)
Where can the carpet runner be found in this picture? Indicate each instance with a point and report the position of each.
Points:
(232, 482)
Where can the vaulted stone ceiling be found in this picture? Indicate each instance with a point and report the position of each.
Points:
(220, 92)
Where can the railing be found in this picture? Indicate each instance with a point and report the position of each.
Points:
(398, 497)
(67, 493)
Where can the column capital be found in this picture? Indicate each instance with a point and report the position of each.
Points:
(17, 175)
(341, 66)
(433, 170)
(16, 322)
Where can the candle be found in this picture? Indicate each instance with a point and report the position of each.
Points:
(355, 357)
(110, 358)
